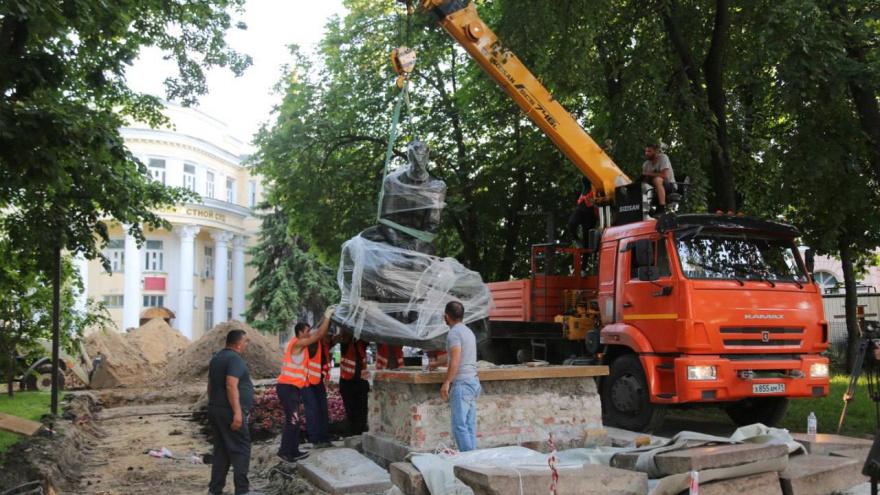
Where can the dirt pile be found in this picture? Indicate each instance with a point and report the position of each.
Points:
(121, 363)
(263, 355)
(157, 341)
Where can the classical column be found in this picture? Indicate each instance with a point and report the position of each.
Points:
(184, 320)
(238, 278)
(131, 303)
(221, 246)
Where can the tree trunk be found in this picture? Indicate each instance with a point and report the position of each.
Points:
(10, 384)
(851, 300)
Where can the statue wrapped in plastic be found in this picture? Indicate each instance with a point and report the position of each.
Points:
(393, 288)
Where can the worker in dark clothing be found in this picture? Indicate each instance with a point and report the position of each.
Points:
(583, 216)
(353, 386)
(230, 397)
(314, 395)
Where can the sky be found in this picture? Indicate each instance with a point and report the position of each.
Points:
(245, 102)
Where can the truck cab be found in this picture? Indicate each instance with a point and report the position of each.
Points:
(688, 309)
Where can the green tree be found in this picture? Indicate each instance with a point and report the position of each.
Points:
(291, 282)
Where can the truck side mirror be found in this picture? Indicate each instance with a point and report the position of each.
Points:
(648, 273)
(593, 239)
(810, 260)
(644, 253)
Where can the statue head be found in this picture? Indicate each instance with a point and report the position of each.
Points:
(417, 153)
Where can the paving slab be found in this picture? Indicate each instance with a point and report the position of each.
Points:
(825, 443)
(763, 484)
(820, 475)
(710, 457)
(354, 442)
(383, 449)
(22, 426)
(408, 479)
(584, 480)
(858, 454)
(342, 470)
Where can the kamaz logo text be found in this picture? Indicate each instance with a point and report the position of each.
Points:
(764, 317)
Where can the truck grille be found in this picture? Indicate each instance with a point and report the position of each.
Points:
(762, 337)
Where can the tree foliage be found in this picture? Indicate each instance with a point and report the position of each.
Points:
(291, 282)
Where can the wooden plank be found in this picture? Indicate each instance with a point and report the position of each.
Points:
(417, 376)
(14, 424)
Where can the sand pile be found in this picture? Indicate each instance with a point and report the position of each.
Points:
(157, 341)
(122, 362)
(263, 355)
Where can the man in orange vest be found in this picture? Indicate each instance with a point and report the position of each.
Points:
(294, 380)
(353, 386)
(314, 394)
(389, 357)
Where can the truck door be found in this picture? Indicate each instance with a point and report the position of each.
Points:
(650, 305)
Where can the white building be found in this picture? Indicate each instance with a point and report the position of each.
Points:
(197, 270)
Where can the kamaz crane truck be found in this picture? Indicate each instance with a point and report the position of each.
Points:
(688, 309)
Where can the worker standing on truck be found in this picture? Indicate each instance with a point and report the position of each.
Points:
(657, 172)
(462, 385)
(583, 216)
(353, 387)
(293, 379)
(230, 397)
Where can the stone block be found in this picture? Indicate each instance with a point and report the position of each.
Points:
(625, 438)
(700, 458)
(353, 443)
(383, 450)
(820, 475)
(858, 454)
(584, 480)
(825, 443)
(341, 470)
(763, 484)
(408, 479)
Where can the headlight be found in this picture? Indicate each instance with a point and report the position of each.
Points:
(819, 370)
(701, 373)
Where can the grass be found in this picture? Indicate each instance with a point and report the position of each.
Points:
(860, 416)
(28, 405)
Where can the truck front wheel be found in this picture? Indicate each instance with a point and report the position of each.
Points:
(766, 410)
(626, 398)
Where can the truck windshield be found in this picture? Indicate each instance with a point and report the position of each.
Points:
(736, 256)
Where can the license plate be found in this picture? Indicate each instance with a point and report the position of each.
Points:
(768, 388)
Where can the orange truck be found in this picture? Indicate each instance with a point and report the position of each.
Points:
(689, 309)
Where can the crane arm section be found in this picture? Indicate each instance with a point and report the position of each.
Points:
(460, 19)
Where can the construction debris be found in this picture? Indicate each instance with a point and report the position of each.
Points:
(120, 362)
(22, 426)
(263, 355)
(157, 341)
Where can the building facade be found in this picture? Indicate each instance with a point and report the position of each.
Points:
(197, 269)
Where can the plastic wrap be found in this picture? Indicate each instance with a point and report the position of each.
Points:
(397, 296)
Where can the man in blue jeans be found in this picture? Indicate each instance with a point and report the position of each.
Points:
(462, 385)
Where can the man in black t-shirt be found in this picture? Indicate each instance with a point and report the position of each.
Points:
(230, 398)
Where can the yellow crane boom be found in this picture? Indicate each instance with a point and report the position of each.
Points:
(460, 19)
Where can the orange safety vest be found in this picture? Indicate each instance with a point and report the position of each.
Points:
(316, 371)
(325, 369)
(357, 351)
(293, 373)
(389, 353)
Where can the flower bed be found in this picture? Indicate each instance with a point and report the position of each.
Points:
(267, 415)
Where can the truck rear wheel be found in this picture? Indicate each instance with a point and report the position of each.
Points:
(766, 410)
(626, 397)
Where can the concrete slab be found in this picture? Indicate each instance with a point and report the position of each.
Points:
(408, 479)
(383, 450)
(341, 470)
(585, 480)
(700, 458)
(857, 454)
(825, 443)
(764, 484)
(820, 475)
(353, 443)
(22, 426)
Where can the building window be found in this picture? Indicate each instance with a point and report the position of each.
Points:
(114, 301)
(157, 169)
(827, 282)
(115, 252)
(230, 190)
(189, 177)
(154, 259)
(252, 193)
(209, 184)
(209, 313)
(209, 262)
(154, 301)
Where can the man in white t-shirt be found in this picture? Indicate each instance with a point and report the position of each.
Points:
(657, 171)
